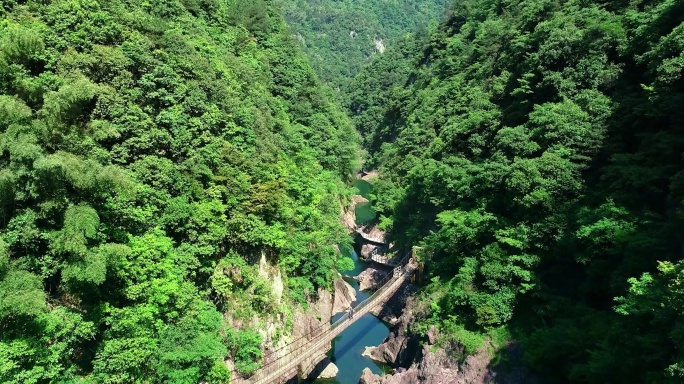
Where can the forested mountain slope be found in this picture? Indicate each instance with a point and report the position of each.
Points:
(535, 148)
(150, 154)
(340, 37)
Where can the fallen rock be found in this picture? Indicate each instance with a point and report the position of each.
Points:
(368, 377)
(406, 377)
(330, 372)
(388, 352)
(358, 199)
(400, 377)
(369, 278)
(368, 352)
(367, 250)
(368, 175)
(344, 296)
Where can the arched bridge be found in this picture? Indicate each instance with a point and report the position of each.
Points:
(286, 366)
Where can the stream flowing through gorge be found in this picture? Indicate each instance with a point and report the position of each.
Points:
(369, 330)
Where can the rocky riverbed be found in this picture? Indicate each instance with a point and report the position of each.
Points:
(369, 278)
(418, 360)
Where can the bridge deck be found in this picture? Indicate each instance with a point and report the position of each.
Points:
(382, 259)
(370, 238)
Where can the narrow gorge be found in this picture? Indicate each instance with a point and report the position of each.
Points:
(319, 191)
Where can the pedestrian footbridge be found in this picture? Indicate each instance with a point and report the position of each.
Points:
(283, 364)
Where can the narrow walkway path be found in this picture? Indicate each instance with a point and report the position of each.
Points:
(382, 259)
(285, 367)
(370, 238)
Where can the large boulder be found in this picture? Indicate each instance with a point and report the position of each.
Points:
(402, 376)
(330, 372)
(388, 352)
(406, 376)
(368, 377)
(369, 278)
(368, 352)
(367, 250)
(344, 296)
(358, 199)
(400, 347)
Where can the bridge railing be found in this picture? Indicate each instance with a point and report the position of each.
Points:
(322, 334)
(384, 260)
(368, 237)
(384, 283)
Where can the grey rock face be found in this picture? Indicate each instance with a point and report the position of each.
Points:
(330, 372)
(344, 296)
(369, 278)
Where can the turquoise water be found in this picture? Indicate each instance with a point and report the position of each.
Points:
(364, 211)
(365, 188)
(348, 347)
(367, 331)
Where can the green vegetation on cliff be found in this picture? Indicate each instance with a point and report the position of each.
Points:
(535, 148)
(150, 154)
(340, 37)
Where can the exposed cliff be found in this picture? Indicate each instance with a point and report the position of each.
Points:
(418, 359)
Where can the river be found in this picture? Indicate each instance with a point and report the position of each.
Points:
(368, 330)
(364, 211)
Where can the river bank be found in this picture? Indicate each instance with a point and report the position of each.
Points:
(418, 359)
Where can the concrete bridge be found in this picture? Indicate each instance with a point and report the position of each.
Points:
(283, 368)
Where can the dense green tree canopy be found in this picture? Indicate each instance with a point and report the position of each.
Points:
(341, 37)
(150, 154)
(535, 148)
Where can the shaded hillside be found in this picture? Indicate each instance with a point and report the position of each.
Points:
(535, 149)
